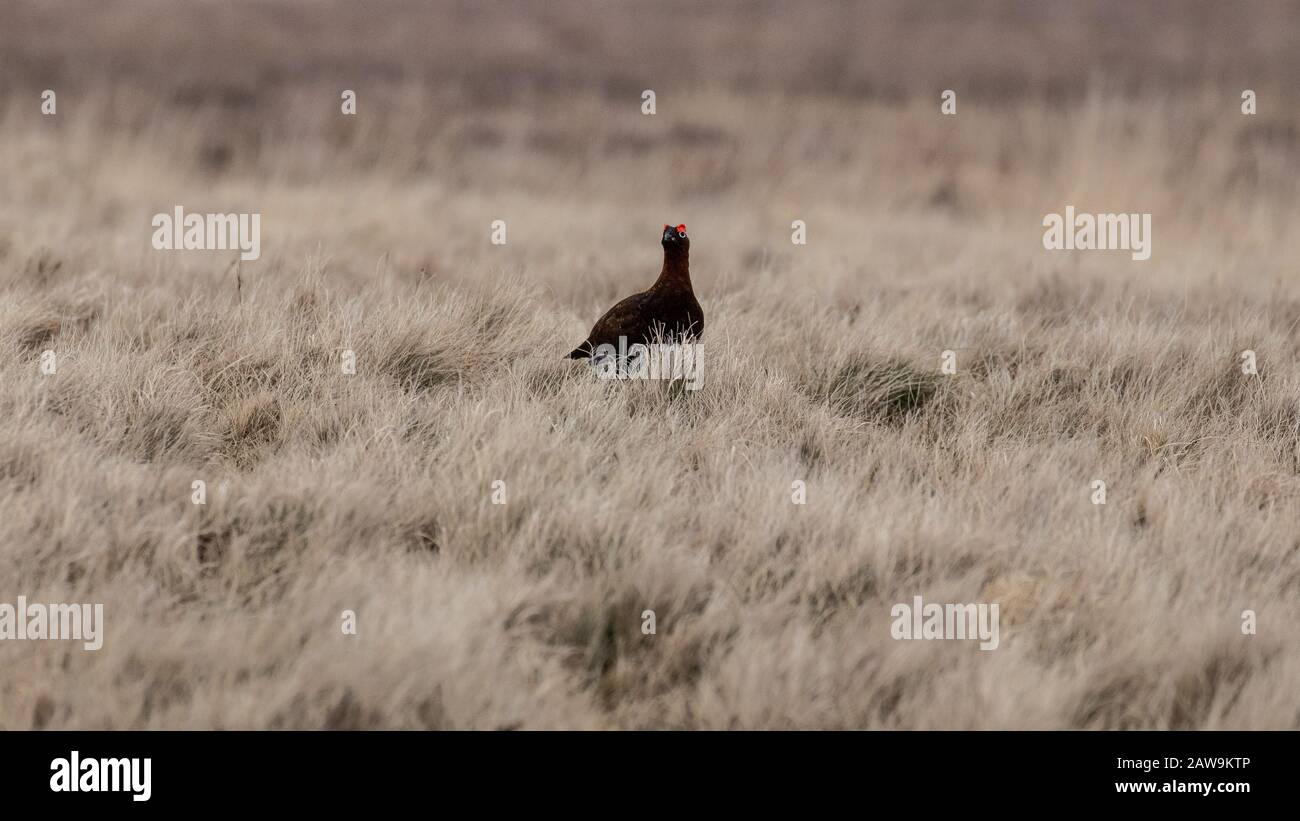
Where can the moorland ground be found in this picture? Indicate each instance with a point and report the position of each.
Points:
(373, 492)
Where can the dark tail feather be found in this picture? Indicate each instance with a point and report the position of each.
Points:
(580, 352)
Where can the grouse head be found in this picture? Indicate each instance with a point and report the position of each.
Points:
(675, 238)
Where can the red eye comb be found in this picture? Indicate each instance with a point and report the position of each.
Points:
(666, 226)
(681, 229)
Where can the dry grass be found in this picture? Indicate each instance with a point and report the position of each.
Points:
(372, 492)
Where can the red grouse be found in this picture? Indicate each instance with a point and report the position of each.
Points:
(668, 311)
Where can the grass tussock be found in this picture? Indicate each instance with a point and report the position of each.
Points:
(877, 391)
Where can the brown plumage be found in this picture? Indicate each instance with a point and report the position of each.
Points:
(669, 308)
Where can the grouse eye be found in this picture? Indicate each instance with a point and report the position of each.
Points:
(681, 234)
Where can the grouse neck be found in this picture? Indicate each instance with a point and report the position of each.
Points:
(676, 272)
